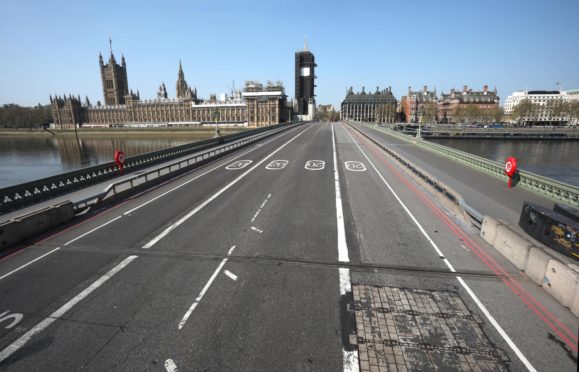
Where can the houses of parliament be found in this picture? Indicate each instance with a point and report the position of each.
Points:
(257, 105)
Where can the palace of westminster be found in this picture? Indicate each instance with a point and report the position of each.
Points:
(256, 106)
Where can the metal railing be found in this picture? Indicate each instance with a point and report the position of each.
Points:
(553, 189)
(27, 193)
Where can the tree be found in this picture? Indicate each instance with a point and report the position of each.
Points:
(523, 111)
(472, 113)
(428, 112)
(493, 114)
(15, 116)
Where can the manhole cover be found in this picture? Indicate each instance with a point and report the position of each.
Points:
(401, 329)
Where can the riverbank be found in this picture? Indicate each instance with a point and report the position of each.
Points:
(199, 132)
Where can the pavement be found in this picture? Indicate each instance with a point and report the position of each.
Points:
(250, 263)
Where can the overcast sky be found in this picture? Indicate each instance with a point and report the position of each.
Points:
(50, 47)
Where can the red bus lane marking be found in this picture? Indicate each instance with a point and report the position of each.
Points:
(487, 260)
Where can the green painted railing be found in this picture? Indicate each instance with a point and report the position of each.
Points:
(556, 190)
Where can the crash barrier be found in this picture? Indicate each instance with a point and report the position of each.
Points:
(556, 190)
(551, 228)
(559, 279)
(27, 193)
(23, 227)
(441, 189)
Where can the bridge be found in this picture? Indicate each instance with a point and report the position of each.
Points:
(312, 247)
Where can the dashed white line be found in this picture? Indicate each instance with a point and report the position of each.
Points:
(231, 275)
(13, 347)
(257, 230)
(93, 230)
(497, 326)
(204, 290)
(170, 366)
(349, 358)
(260, 208)
(29, 263)
(214, 196)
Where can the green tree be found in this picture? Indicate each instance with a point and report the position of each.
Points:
(428, 112)
(523, 111)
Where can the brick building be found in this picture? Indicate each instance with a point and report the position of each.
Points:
(416, 104)
(450, 104)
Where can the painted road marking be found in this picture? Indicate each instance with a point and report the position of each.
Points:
(221, 191)
(355, 166)
(13, 347)
(277, 164)
(204, 290)
(315, 165)
(260, 208)
(484, 310)
(14, 318)
(231, 275)
(240, 164)
(170, 366)
(93, 230)
(256, 229)
(31, 262)
(349, 358)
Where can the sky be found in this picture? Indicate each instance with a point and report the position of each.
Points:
(52, 47)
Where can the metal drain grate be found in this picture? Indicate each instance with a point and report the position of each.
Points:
(401, 329)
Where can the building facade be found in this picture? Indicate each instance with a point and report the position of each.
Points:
(257, 106)
(378, 107)
(305, 82)
(450, 105)
(544, 109)
(416, 105)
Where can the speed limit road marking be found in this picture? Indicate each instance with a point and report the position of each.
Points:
(355, 166)
(240, 164)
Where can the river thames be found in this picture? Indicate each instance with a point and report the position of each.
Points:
(26, 158)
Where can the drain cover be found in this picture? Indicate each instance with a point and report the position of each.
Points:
(400, 329)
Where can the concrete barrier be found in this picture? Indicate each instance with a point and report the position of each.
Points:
(575, 304)
(29, 225)
(537, 265)
(512, 245)
(489, 228)
(560, 282)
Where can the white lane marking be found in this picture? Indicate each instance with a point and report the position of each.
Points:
(355, 166)
(349, 358)
(497, 326)
(342, 245)
(231, 275)
(199, 176)
(29, 263)
(277, 164)
(256, 229)
(170, 366)
(93, 230)
(214, 196)
(13, 347)
(205, 288)
(260, 208)
(240, 164)
(16, 318)
(315, 165)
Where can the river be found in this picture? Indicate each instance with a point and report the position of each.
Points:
(554, 159)
(26, 158)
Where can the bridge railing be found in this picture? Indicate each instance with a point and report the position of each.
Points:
(16, 196)
(553, 189)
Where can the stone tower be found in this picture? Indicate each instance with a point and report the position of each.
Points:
(114, 80)
(184, 91)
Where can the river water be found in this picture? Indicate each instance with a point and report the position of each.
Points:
(554, 159)
(26, 158)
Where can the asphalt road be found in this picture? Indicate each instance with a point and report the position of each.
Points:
(249, 263)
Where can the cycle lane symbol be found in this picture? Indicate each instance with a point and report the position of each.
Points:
(355, 166)
(315, 164)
